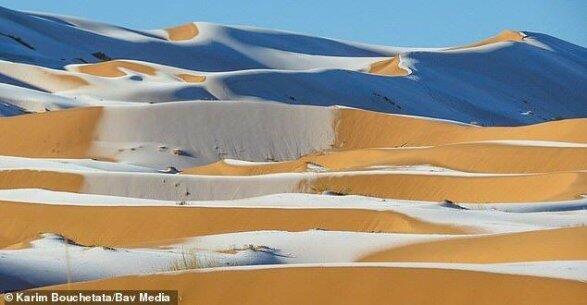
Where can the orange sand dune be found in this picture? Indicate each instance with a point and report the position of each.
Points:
(65, 182)
(47, 79)
(389, 67)
(112, 68)
(506, 35)
(468, 157)
(519, 188)
(57, 134)
(356, 285)
(365, 129)
(125, 225)
(544, 245)
(191, 78)
(182, 32)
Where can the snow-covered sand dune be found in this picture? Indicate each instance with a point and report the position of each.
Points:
(211, 159)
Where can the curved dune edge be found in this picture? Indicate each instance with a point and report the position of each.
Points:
(467, 157)
(518, 188)
(543, 245)
(124, 225)
(352, 285)
(389, 67)
(506, 35)
(385, 130)
(183, 32)
(57, 134)
(69, 133)
(112, 68)
(191, 78)
(50, 80)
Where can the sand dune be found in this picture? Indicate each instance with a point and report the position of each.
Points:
(506, 35)
(113, 68)
(183, 32)
(381, 130)
(363, 174)
(340, 285)
(117, 226)
(389, 67)
(467, 157)
(63, 134)
(515, 188)
(547, 245)
(190, 78)
(46, 79)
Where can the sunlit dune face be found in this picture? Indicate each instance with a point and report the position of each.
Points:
(56, 134)
(389, 67)
(491, 189)
(113, 68)
(504, 36)
(36, 179)
(352, 286)
(183, 32)
(47, 79)
(191, 78)
(365, 129)
(542, 245)
(63, 81)
(110, 225)
(467, 157)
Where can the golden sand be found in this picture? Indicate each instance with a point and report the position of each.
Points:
(543, 245)
(126, 225)
(506, 35)
(112, 68)
(191, 78)
(356, 285)
(57, 134)
(183, 32)
(26, 178)
(389, 67)
(357, 129)
(467, 157)
(517, 188)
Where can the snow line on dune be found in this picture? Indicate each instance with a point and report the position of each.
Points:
(488, 220)
(571, 270)
(241, 251)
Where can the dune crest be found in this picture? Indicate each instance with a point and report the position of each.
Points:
(506, 35)
(112, 68)
(110, 225)
(353, 285)
(183, 32)
(544, 245)
(389, 67)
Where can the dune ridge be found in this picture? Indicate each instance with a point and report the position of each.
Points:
(340, 285)
(182, 32)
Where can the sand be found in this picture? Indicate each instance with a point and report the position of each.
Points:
(389, 67)
(125, 225)
(467, 157)
(365, 129)
(506, 35)
(491, 189)
(67, 182)
(59, 134)
(42, 78)
(356, 285)
(191, 78)
(183, 32)
(544, 245)
(113, 68)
